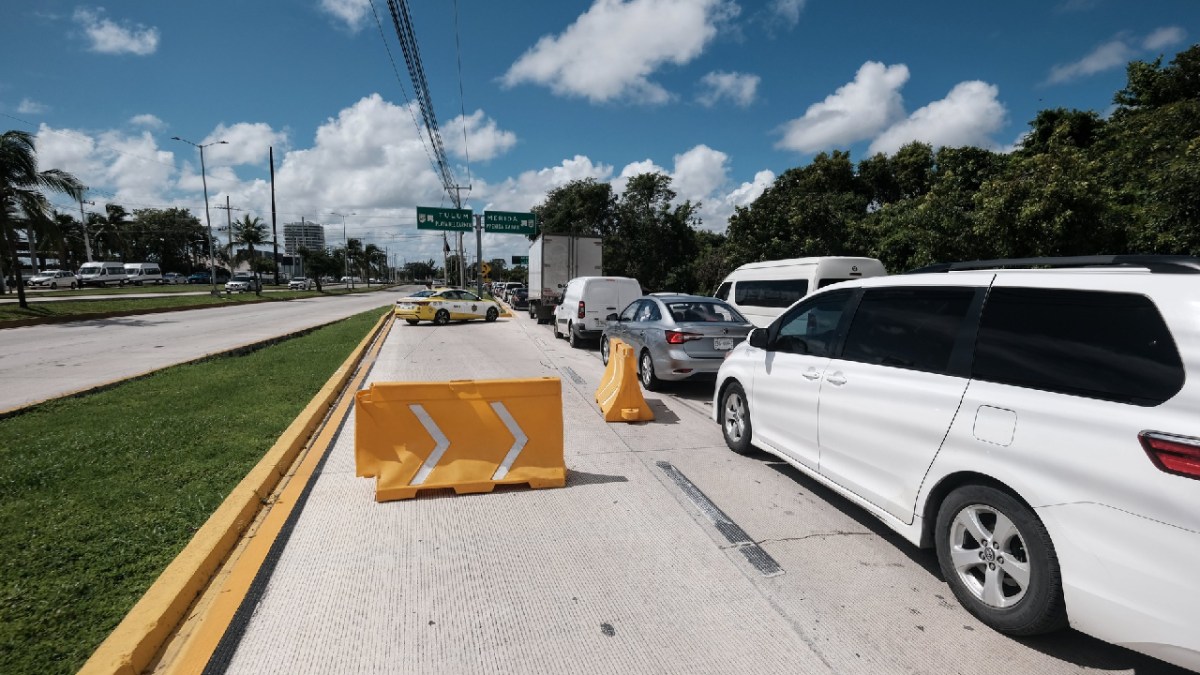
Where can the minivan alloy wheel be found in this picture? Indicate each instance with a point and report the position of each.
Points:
(735, 419)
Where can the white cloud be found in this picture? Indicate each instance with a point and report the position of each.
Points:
(245, 143)
(856, 111)
(147, 120)
(29, 106)
(1112, 54)
(746, 193)
(788, 11)
(108, 37)
(739, 88)
(353, 13)
(483, 140)
(1164, 37)
(699, 172)
(968, 115)
(131, 167)
(612, 49)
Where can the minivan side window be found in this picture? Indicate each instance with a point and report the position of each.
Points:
(723, 291)
(770, 293)
(810, 328)
(1097, 344)
(914, 328)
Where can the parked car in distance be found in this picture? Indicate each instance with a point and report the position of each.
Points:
(54, 279)
(676, 337)
(519, 298)
(203, 276)
(102, 274)
(300, 284)
(1036, 427)
(445, 305)
(174, 278)
(761, 290)
(140, 274)
(243, 282)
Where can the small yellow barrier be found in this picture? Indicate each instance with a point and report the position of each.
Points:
(620, 395)
(469, 435)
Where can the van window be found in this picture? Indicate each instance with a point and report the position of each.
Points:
(913, 328)
(1110, 346)
(811, 327)
(829, 281)
(770, 293)
(723, 291)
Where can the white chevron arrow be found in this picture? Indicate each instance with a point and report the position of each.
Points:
(443, 443)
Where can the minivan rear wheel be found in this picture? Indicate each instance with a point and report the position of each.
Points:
(1000, 562)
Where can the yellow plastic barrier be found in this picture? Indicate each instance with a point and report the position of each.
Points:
(469, 435)
(608, 381)
(621, 400)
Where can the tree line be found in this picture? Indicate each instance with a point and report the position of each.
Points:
(1077, 184)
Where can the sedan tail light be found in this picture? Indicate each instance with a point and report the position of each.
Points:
(1179, 455)
(678, 337)
(582, 308)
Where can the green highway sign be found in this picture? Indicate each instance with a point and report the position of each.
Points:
(431, 218)
(520, 260)
(509, 223)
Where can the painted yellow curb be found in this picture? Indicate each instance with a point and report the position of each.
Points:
(135, 641)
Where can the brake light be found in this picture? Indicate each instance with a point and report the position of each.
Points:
(1179, 455)
(678, 337)
(582, 307)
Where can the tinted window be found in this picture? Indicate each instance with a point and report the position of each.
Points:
(704, 311)
(628, 313)
(723, 291)
(1111, 346)
(771, 293)
(829, 281)
(811, 327)
(648, 311)
(912, 328)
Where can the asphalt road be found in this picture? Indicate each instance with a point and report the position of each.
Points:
(47, 361)
(624, 570)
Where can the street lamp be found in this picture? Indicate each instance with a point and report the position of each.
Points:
(212, 258)
(346, 240)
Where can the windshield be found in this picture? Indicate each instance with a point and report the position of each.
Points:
(90, 269)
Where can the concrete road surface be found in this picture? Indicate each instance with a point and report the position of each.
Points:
(42, 362)
(623, 571)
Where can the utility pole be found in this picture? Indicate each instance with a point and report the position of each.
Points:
(479, 254)
(274, 232)
(462, 268)
(87, 244)
(229, 227)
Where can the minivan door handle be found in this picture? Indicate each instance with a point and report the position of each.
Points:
(836, 379)
(812, 374)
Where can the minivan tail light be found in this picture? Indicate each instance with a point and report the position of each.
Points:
(678, 337)
(582, 309)
(1179, 455)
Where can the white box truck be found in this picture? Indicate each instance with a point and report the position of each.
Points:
(555, 259)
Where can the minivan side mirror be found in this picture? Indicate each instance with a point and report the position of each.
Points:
(612, 317)
(759, 338)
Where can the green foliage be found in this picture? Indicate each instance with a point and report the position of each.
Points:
(582, 207)
(97, 499)
(653, 241)
(319, 264)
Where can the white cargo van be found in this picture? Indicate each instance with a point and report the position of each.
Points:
(762, 290)
(587, 301)
(102, 274)
(143, 273)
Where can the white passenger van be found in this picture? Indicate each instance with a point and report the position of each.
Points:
(762, 290)
(102, 274)
(586, 303)
(143, 273)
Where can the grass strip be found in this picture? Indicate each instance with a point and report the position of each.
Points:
(99, 493)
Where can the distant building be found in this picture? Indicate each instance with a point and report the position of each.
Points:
(303, 235)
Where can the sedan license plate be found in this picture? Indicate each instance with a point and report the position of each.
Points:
(723, 344)
(405, 305)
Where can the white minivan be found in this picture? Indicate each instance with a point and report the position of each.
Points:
(586, 303)
(102, 274)
(762, 290)
(143, 273)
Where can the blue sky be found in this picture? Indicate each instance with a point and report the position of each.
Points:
(722, 95)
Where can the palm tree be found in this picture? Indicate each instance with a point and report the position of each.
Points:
(20, 195)
(250, 231)
(370, 258)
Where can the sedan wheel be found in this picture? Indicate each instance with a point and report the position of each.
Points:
(735, 419)
(441, 318)
(604, 347)
(1000, 562)
(492, 314)
(646, 371)
(53, 286)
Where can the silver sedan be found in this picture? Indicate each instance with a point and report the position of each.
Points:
(676, 337)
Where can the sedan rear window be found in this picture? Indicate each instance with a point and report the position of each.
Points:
(704, 311)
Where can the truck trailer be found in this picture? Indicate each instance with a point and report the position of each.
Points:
(555, 259)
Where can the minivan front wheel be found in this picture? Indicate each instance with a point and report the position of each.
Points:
(1000, 562)
(735, 419)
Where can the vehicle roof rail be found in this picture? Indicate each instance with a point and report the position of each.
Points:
(1161, 264)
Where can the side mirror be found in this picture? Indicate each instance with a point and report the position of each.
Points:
(612, 317)
(758, 338)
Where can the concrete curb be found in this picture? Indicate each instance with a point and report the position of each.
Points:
(135, 641)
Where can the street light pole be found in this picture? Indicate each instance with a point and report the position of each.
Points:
(346, 240)
(212, 257)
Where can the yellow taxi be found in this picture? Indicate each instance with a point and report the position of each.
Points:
(445, 305)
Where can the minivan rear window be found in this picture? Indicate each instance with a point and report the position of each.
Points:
(770, 293)
(1104, 345)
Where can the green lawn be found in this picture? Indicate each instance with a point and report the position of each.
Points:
(99, 493)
